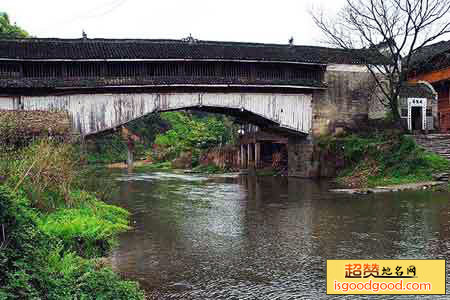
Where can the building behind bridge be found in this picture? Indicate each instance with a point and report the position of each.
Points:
(431, 65)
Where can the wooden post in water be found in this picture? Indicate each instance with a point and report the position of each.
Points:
(251, 156)
(243, 161)
(257, 155)
(130, 148)
(126, 135)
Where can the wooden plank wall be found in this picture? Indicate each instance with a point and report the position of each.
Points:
(92, 113)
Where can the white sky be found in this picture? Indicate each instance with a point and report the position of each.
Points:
(266, 21)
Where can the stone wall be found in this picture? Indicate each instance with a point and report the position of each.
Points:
(37, 123)
(302, 159)
(345, 104)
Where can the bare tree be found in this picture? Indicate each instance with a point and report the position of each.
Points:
(397, 29)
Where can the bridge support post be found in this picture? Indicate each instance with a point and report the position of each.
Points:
(257, 155)
(126, 135)
(243, 157)
(130, 149)
(250, 156)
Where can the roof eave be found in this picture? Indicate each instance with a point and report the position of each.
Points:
(303, 87)
(161, 60)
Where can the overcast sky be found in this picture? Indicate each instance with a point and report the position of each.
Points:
(267, 21)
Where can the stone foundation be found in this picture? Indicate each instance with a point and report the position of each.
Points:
(343, 105)
(302, 158)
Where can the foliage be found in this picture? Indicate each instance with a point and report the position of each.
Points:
(35, 265)
(208, 169)
(191, 133)
(8, 30)
(97, 181)
(20, 247)
(160, 166)
(90, 230)
(106, 149)
(380, 159)
(46, 171)
(266, 172)
(111, 148)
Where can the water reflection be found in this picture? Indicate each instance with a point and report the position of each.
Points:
(264, 238)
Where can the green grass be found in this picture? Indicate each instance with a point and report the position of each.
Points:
(208, 169)
(160, 166)
(266, 172)
(36, 263)
(383, 159)
(90, 230)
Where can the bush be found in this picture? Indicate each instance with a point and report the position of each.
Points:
(89, 230)
(71, 277)
(384, 158)
(22, 248)
(47, 171)
(35, 265)
(191, 133)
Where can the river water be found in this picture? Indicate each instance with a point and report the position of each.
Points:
(196, 237)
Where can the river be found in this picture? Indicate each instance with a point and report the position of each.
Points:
(197, 237)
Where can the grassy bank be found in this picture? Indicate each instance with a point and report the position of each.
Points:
(54, 232)
(369, 160)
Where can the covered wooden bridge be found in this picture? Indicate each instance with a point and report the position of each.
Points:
(103, 84)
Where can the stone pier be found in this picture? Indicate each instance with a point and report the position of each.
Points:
(303, 161)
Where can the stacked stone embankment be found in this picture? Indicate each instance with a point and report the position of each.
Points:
(439, 144)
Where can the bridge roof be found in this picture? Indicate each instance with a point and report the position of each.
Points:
(125, 49)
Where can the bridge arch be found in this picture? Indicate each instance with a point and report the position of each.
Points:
(97, 112)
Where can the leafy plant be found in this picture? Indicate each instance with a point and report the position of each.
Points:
(8, 30)
(90, 230)
(380, 159)
(191, 133)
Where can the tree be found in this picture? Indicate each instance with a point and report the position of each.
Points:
(8, 30)
(396, 29)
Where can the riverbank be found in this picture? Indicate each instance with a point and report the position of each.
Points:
(54, 231)
(389, 158)
(395, 188)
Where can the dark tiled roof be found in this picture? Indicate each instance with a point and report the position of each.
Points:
(174, 49)
(428, 52)
(182, 81)
(431, 57)
(418, 90)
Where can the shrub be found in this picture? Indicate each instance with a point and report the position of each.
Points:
(89, 230)
(22, 248)
(190, 133)
(36, 265)
(46, 171)
(376, 159)
(71, 277)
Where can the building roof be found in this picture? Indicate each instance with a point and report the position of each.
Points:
(430, 51)
(89, 49)
(416, 90)
(431, 57)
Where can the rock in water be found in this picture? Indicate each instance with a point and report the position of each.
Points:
(181, 286)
